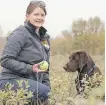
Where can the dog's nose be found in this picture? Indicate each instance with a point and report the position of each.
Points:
(65, 67)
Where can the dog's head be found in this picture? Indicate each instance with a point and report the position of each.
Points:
(77, 60)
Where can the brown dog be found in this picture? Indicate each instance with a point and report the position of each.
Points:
(80, 61)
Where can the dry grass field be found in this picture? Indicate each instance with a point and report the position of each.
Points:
(62, 83)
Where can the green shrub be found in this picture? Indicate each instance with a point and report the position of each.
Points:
(8, 96)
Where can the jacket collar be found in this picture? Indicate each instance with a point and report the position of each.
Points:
(32, 28)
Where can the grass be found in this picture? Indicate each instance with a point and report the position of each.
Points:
(63, 86)
(62, 83)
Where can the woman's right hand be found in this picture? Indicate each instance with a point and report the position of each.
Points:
(35, 68)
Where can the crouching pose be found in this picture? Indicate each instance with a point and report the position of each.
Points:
(26, 47)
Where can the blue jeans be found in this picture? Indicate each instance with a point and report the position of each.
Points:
(39, 90)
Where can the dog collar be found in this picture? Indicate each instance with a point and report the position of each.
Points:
(94, 66)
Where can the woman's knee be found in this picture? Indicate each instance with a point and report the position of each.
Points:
(42, 91)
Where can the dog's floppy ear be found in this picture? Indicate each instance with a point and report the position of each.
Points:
(83, 59)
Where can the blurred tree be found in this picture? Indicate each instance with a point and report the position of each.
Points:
(66, 33)
(89, 35)
(78, 27)
(95, 25)
(92, 26)
(1, 32)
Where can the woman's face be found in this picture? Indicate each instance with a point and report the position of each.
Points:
(37, 17)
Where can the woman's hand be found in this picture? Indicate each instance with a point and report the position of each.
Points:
(41, 67)
(36, 68)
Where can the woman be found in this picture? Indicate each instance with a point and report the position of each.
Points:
(26, 47)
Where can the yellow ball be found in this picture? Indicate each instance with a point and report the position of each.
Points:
(43, 65)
